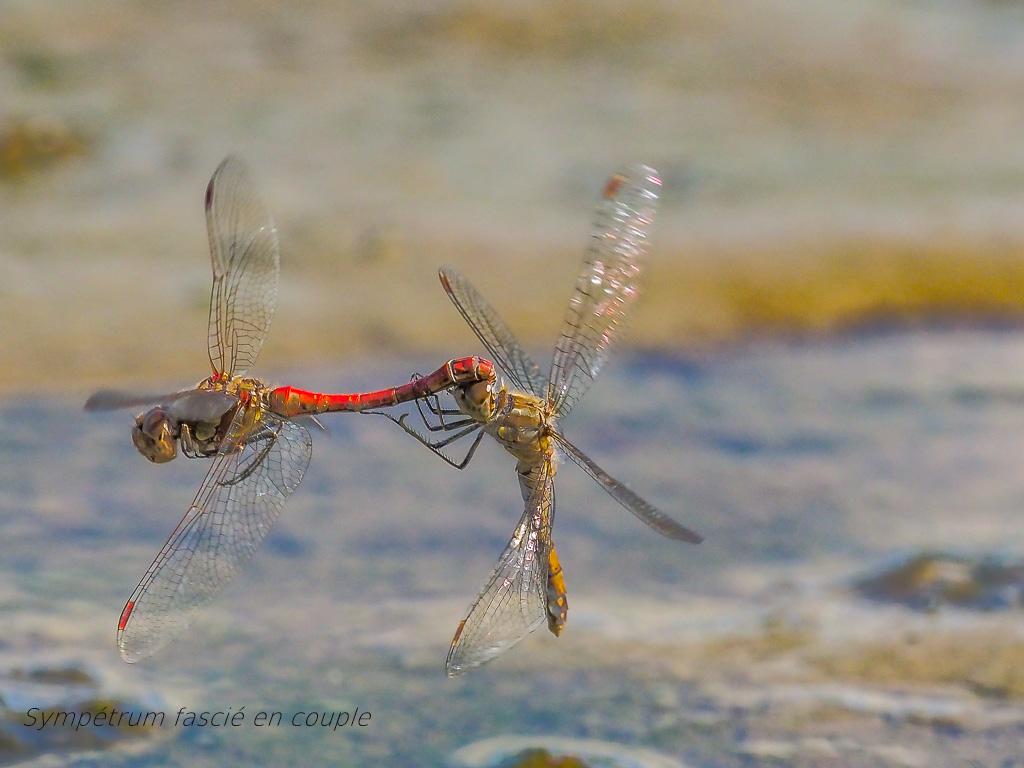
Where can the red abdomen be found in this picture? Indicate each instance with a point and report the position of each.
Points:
(290, 401)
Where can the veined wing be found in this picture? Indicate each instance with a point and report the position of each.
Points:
(514, 602)
(241, 497)
(607, 286)
(505, 349)
(244, 255)
(645, 511)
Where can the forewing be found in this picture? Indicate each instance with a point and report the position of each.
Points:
(245, 258)
(502, 344)
(514, 602)
(240, 499)
(645, 511)
(114, 399)
(607, 286)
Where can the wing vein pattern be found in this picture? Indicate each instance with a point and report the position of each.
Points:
(257, 468)
(244, 254)
(514, 601)
(493, 333)
(607, 286)
(644, 510)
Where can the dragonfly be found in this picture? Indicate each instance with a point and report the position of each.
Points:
(259, 451)
(527, 586)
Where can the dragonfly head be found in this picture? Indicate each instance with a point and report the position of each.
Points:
(155, 435)
(476, 400)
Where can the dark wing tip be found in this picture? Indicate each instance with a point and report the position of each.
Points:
(116, 399)
(691, 537)
(231, 162)
(445, 275)
(672, 529)
(105, 400)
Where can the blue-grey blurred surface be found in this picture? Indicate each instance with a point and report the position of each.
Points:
(804, 466)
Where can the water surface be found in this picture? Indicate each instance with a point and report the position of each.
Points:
(804, 467)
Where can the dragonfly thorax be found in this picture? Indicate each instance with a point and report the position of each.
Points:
(520, 423)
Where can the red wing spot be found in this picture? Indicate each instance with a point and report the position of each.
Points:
(125, 614)
(209, 194)
(613, 185)
(458, 632)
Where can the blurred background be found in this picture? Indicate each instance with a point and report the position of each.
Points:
(826, 166)
(823, 377)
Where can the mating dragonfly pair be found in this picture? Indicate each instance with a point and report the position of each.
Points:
(260, 453)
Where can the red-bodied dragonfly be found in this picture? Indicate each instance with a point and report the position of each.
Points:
(259, 453)
(527, 586)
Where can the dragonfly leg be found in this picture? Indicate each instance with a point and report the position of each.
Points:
(270, 436)
(434, 405)
(432, 400)
(469, 454)
(187, 443)
(400, 421)
(441, 426)
(436, 447)
(465, 459)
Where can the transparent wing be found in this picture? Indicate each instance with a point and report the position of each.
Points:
(514, 602)
(113, 399)
(493, 333)
(645, 511)
(607, 286)
(244, 255)
(241, 497)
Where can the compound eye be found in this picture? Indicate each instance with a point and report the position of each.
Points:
(153, 436)
(154, 422)
(478, 392)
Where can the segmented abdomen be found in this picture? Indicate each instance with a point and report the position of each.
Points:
(558, 603)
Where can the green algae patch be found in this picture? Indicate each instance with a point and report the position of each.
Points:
(108, 706)
(776, 638)
(986, 663)
(834, 286)
(56, 676)
(559, 32)
(541, 758)
(69, 718)
(10, 747)
(694, 299)
(31, 145)
(929, 580)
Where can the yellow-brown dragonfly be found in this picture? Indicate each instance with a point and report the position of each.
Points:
(527, 587)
